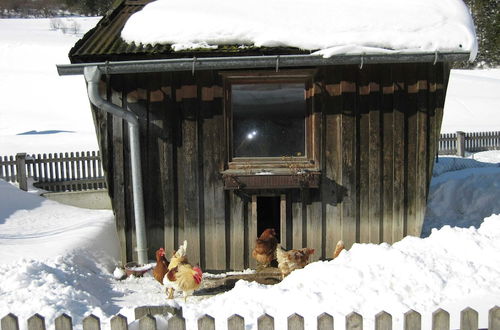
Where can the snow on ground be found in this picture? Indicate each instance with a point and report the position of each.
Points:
(339, 27)
(53, 112)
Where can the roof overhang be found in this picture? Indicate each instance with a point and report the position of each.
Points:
(257, 62)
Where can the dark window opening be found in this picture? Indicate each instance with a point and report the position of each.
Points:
(268, 214)
(269, 120)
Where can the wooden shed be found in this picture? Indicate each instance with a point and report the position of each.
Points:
(319, 149)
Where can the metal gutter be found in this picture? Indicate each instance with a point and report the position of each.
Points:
(93, 77)
(255, 62)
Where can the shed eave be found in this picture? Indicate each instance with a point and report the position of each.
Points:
(257, 62)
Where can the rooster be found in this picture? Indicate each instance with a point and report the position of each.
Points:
(161, 267)
(265, 247)
(288, 261)
(181, 275)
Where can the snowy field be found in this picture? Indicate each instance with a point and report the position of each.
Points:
(59, 259)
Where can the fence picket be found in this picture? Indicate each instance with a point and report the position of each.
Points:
(325, 322)
(91, 322)
(12, 169)
(63, 322)
(147, 322)
(413, 320)
(469, 319)
(118, 322)
(176, 322)
(236, 322)
(265, 322)
(494, 318)
(206, 322)
(440, 320)
(36, 322)
(10, 322)
(354, 321)
(383, 321)
(295, 322)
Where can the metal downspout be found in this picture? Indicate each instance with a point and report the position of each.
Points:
(93, 76)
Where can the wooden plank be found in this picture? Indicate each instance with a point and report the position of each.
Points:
(252, 233)
(165, 118)
(350, 214)
(383, 321)
(375, 167)
(9, 322)
(295, 322)
(119, 322)
(333, 192)
(422, 153)
(399, 168)
(265, 322)
(91, 322)
(433, 135)
(411, 149)
(354, 321)
(115, 171)
(440, 320)
(494, 318)
(413, 320)
(147, 322)
(236, 322)
(237, 230)
(63, 322)
(213, 141)
(387, 109)
(206, 322)
(325, 322)
(36, 322)
(363, 153)
(154, 161)
(176, 322)
(469, 319)
(297, 215)
(314, 224)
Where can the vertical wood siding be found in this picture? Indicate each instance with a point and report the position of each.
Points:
(378, 131)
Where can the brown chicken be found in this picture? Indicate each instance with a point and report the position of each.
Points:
(161, 267)
(338, 248)
(290, 260)
(181, 275)
(265, 247)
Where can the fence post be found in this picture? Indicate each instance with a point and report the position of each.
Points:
(494, 318)
(21, 171)
(36, 322)
(461, 144)
(10, 322)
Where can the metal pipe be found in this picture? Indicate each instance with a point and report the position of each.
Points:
(254, 62)
(93, 76)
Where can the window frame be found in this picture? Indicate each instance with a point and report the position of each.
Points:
(310, 161)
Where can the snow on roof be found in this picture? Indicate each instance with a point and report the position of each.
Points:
(328, 27)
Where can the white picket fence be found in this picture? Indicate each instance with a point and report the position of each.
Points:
(353, 321)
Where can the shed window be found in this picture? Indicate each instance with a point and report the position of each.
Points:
(269, 119)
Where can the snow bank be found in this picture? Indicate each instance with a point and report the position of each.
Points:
(333, 27)
(54, 258)
(449, 269)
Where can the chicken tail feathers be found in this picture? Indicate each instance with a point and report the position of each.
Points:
(338, 248)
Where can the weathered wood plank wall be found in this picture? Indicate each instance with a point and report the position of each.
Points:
(378, 129)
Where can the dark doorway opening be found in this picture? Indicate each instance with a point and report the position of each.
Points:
(268, 214)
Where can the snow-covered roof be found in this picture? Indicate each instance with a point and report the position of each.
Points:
(327, 27)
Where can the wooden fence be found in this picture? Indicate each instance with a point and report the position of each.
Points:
(383, 321)
(55, 172)
(460, 142)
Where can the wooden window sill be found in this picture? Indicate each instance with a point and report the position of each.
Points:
(270, 179)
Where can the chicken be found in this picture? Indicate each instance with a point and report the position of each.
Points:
(338, 248)
(265, 247)
(181, 275)
(290, 260)
(161, 267)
